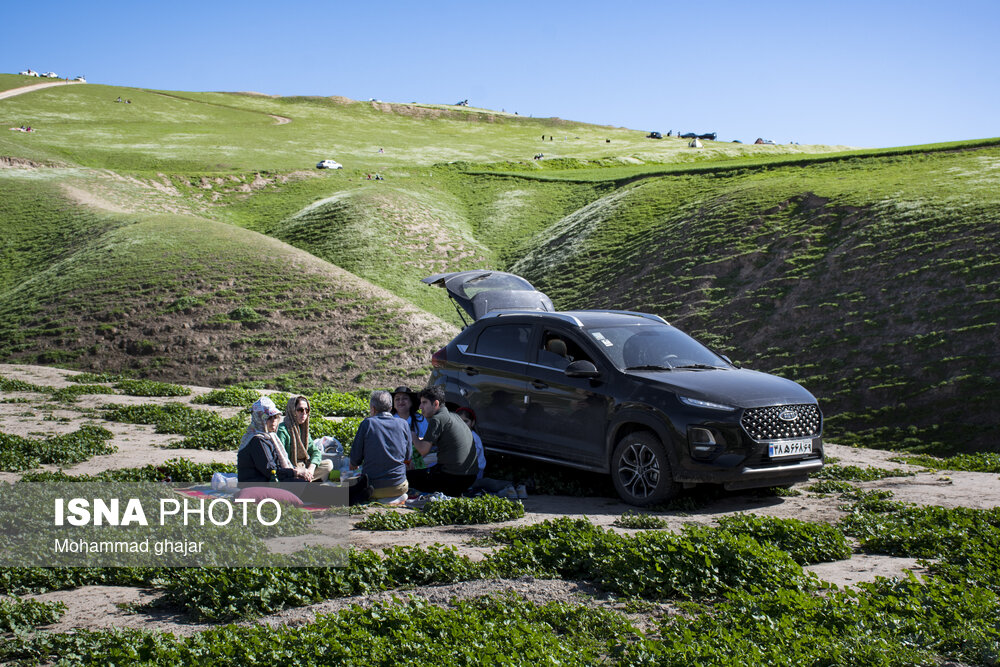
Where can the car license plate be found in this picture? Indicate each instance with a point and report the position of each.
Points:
(789, 448)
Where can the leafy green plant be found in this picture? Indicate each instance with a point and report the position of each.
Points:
(454, 511)
(632, 519)
(174, 470)
(150, 388)
(858, 474)
(7, 384)
(805, 542)
(491, 629)
(20, 615)
(233, 396)
(71, 393)
(88, 378)
(245, 314)
(17, 453)
(337, 404)
(977, 462)
(900, 529)
(832, 486)
(204, 429)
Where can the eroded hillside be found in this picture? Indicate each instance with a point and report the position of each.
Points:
(188, 237)
(872, 281)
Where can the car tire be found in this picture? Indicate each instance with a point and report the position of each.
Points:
(641, 472)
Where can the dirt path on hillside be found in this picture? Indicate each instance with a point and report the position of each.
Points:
(35, 86)
(281, 120)
(31, 415)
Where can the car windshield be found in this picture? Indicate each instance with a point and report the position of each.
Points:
(652, 347)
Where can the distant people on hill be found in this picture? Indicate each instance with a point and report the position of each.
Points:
(294, 436)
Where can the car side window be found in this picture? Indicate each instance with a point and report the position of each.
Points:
(558, 351)
(505, 341)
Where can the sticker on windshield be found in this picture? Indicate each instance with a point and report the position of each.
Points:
(599, 336)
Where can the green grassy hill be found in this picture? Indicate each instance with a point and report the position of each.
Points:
(187, 236)
(181, 297)
(873, 281)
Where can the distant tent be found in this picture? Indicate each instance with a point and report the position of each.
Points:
(696, 143)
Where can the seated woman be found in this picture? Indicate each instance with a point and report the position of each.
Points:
(294, 436)
(405, 406)
(381, 445)
(261, 457)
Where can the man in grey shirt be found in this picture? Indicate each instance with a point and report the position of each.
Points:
(458, 463)
(382, 444)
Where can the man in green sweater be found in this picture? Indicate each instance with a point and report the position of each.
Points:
(457, 463)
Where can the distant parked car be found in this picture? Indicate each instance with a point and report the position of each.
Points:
(50, 75)
(329, 164)
(29, 72)
(80, 79)
(654, 135)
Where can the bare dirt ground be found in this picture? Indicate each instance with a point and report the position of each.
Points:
(109, 606)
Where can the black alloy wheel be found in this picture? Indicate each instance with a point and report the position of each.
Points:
(640, 470)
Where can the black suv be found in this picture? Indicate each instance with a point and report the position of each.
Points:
(619, 392)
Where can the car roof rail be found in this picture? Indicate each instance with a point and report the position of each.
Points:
(648, 316)
(537, 313)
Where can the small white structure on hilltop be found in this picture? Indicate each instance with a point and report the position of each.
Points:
(696, 143)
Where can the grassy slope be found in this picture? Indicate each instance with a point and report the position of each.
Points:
(867, 276)
(164, 131)
(871, 280)
(171, 297)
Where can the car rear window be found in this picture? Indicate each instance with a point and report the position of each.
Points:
(505, 341)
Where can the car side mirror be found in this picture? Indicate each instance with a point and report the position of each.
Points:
(582, 369)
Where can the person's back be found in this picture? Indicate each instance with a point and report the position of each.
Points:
(384, 446)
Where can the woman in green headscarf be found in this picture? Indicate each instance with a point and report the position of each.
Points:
(294, 435)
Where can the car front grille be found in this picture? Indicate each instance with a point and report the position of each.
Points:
(767, 424)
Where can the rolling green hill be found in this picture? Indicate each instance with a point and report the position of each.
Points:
(187, 236)
(872, 281)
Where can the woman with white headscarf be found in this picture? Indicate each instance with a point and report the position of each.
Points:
(261, 457)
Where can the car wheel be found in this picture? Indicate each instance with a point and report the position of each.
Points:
(640, 470)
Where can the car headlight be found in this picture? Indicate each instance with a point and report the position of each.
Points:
(709, 405)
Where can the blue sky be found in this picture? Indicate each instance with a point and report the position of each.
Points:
(875, 73)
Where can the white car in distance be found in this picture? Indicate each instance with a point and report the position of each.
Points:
(329, 164)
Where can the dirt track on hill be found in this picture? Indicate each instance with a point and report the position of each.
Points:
(35, 86)
(96, 607)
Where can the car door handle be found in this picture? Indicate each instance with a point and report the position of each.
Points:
(538, 384)
(469, 370)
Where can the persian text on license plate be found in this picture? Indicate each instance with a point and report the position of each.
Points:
(789, 448)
